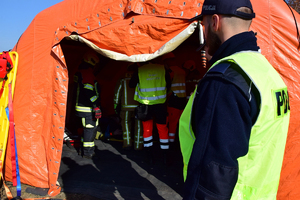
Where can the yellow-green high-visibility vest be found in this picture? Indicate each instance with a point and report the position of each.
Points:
(259, 169)
(186, 134)
(151, 88)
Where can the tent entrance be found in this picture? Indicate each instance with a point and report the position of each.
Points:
(111, 70)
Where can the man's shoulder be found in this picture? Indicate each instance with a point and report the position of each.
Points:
(220, 68)
(227, 70)
(232, 73)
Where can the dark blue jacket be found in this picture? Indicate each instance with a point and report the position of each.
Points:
(222, 118)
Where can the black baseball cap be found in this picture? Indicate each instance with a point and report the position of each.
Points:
(225, 7)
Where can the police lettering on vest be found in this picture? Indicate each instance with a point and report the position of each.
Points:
(282, 102)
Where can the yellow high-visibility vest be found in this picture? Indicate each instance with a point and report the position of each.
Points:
(151, 88)
(259, 170)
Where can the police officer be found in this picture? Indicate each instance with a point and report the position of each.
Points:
(124, 98)
(233, 129)
(88, 101)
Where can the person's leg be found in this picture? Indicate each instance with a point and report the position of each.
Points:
(147, 133)
(160, 114)
(89, 126)
(126, 127)
(174, 115)
(148, 140)
(138, 134)
(161, 124)
(163, 135)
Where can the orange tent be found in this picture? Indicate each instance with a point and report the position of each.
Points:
(126, 31)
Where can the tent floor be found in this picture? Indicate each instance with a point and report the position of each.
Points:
(116, 174)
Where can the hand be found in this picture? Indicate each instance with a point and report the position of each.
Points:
(98, 113)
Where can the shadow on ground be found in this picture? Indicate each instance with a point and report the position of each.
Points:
(115, 174)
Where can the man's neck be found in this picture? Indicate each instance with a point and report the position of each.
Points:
(245, 41)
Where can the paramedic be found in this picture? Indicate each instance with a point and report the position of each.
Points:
(88, 102)
(240, 112)
(151, 82)
(124, 99)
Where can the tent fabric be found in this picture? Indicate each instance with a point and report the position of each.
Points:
(167, 47)
(280, 45)
(131, 30)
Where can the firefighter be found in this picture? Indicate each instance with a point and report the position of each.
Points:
(88, 102)
(124, 100)
(151, 82)
(177, 94)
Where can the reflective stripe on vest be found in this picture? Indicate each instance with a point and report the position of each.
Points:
(259, 170)
(178, 82)
(151, 88)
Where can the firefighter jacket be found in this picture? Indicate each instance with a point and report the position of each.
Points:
(88, 92)
(258, 171)
(151, 88)
(124, 95)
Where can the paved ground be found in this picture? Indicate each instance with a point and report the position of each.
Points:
(116, 174)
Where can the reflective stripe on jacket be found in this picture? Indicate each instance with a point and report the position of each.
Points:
(87, 92)
(259, 169)
(178, 82)
(151, 88)
(124, 95)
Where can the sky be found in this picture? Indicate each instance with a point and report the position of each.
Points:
(15, 17)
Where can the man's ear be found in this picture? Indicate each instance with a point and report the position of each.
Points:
(215, 22)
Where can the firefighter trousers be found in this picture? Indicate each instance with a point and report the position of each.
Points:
(162, 131)
(127, 120)
(89, 132)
